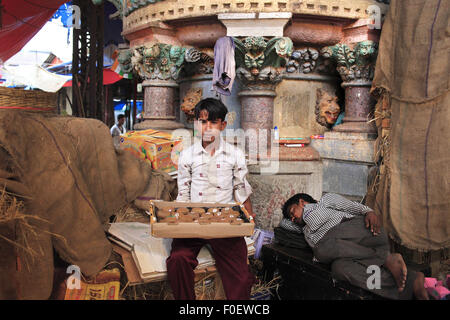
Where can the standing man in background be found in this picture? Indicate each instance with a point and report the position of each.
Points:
(118, 129)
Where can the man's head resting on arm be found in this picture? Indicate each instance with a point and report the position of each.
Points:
(293, 207)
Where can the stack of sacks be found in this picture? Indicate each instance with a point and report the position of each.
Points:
(438, 289)
(157, 148)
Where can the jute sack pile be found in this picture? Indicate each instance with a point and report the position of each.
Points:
(70, 179)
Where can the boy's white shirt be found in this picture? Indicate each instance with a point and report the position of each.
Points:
(219, 178)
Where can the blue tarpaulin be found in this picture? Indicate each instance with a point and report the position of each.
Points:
(121, 106)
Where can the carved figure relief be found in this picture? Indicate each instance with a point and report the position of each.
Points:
(192, 97)
(303, 60)
(327, 108)
(125, 60)
(260, 60)
(198, 62)
(160, 61)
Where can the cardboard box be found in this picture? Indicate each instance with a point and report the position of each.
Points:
(155, 147)
(194, 229)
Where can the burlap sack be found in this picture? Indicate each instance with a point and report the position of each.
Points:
(162, 187)
(412, 73)
(70, 177)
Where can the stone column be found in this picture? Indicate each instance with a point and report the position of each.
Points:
(260, 68)
(257, 115)
(358, 108)
(160, 65)
(160, 101)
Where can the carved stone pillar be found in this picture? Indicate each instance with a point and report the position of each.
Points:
(260, 67)
(160, 100)
(359, 106)
(356, 68)
(160, 66)
(257, 115)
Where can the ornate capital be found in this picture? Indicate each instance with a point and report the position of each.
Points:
(260, 62)
(357, 64)
(160, 61)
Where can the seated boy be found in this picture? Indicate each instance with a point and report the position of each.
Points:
(347, 235)
(212, 170)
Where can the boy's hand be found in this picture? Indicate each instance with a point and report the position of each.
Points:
(372, 221)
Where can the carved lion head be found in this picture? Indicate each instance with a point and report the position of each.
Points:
(192, 97)
(327, 108)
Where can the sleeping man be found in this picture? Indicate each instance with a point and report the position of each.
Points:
(347, 235)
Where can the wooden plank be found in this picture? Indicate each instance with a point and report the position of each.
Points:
(130, 267)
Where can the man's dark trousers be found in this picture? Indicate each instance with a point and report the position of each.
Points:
(351, 248)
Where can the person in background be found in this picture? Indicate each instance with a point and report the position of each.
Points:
(118, 129)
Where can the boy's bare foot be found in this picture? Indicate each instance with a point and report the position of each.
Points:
(396, 265)
(419, 289)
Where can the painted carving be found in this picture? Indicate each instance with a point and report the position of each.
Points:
(160, 61)
(163, 61)
(192, 55)
(327, 108)
(303, 60)
(260, 60)
(354, 64)
(254, 53)
(125, 60)
(198, 62)
(310, 60)
(192, 97)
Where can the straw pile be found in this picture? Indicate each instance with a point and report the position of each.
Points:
(12, 214)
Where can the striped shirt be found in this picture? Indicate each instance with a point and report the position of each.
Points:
(326, 214)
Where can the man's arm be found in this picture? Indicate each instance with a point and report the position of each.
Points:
(340, 203)
(248, 206)
(337, 202)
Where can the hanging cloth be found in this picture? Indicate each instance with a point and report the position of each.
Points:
(224, 65)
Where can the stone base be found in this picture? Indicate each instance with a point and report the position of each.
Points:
(358, 127)
(165, 125)
(306, 153)
(347, 158)
(270, 191)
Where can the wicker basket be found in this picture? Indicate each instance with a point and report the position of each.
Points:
(11, 98)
